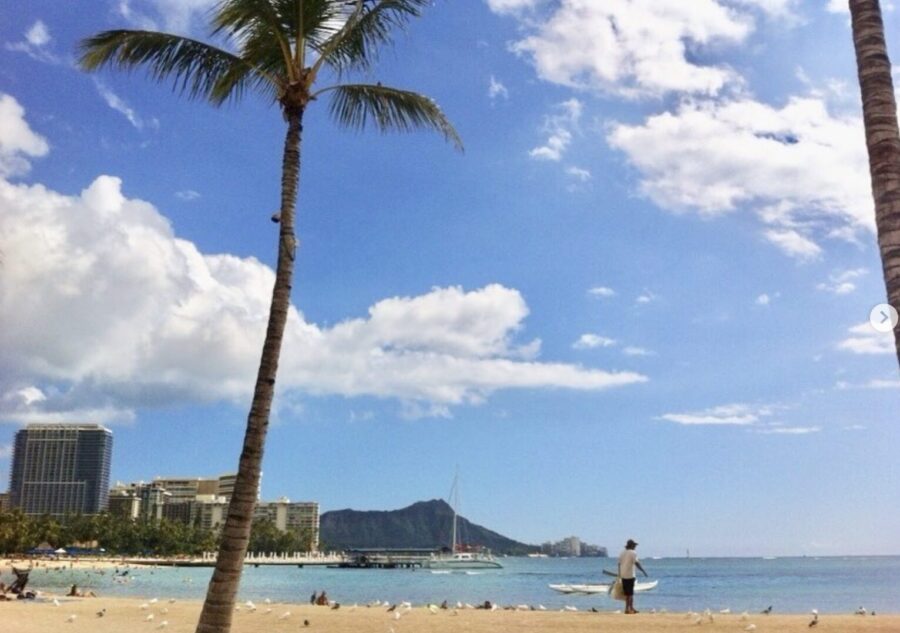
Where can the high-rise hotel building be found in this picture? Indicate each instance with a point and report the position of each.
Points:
(61, 469)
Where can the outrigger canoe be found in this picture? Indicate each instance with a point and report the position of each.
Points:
(593, 589)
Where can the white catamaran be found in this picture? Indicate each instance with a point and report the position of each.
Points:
(459, 557)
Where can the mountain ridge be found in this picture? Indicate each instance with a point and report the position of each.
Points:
(423, 524)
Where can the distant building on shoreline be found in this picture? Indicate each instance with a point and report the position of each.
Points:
(574, 547)
(61, 469)
(204, 502)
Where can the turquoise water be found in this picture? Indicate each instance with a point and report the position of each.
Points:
(790, 585)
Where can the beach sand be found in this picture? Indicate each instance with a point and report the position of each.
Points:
(126, 615)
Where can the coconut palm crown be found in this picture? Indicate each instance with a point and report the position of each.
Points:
(280, 49)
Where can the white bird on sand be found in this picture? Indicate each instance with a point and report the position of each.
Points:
(154, 601)
(285, 615)
(494, 607)
(750, 627)
(469, 606)
(162, 624)
(541, 607)
(745, 616)
(249, 604)
(396, 615)
(149, 618)
(433, 608)
(145, 606)
(164, 610)
(55, 602)
(698, 620)
(267, 601)
(725, 611)
(569, 607)
(71, 618)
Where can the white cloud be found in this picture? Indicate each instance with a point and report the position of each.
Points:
(37, 37)
(105, 310)
(582, 175)
(726, 415)
(864, 339)
(838, 6)
(763, 300)
(175, 16)
(17, 140)
(775, 8)
(497, 89)
(118, 104)
(187, 195)
(559, 128)
(592, 341)
(842, 282)
(631, 47)
(511, 6)
(874, 383)
(637, 351)
(645, 298)
(793, 243)
(802, 170)
(789, 430)
(6, 451)
(602, 291)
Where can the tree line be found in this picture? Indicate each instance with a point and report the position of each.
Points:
(122, 536)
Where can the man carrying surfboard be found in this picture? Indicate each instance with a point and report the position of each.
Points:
(628, 560)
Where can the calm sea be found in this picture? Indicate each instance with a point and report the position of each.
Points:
(790, 585)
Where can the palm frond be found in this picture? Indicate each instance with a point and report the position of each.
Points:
(359, 105)
(199, 69)
(357, 49)
(261, 33)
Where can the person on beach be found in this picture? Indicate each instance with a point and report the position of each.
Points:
(628, 560)
(322, 600)
(313, 597)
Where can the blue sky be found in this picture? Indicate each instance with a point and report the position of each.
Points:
(635, 306)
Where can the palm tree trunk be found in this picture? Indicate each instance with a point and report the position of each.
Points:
(220, 596)
(882, 138)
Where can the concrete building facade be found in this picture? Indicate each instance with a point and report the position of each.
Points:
(61, 469)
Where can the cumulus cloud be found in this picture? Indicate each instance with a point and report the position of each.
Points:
(632, 350)
(631, 48)
(725, 415)
(763, 300)
(105, 309)
(802, 170)
(188, 195)
(789, 430)
(864, 339)
(842, 282)
(592, 341)
(559, 128)
(17, 141)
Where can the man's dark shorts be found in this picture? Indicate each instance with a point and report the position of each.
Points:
(628, 586)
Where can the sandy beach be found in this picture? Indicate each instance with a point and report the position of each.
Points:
(181, 616)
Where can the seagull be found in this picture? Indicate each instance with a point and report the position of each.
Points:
(101, 613)
(267, 601)
(149, 618)
(433, 609)
(725, 611)
(541, 607)
(767, 610)
(570, 608)
(249, 604)
(162, 624)
(396, 615)
(336, 606)
(71, 618)
(285, 615)
(861, 611)
(145, 606)
(154, 601)
(750, 627)
(745, 616)
(164, 610)
(55, 602)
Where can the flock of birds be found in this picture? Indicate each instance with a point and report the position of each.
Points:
(398, 610)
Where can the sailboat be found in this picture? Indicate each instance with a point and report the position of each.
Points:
(459, 557)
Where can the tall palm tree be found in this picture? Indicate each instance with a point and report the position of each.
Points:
(882, 138)
(280, 49)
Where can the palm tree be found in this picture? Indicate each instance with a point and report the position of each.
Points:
(279, 49)
(882, 138)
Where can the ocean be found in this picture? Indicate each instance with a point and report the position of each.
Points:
(789, 585)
